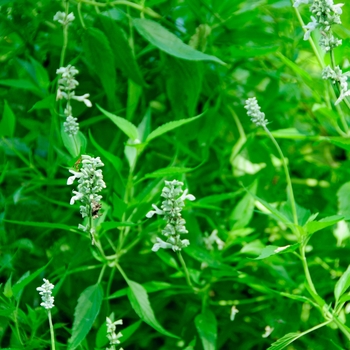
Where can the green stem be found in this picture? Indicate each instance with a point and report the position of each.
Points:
(146, 10)
(51, 331)
(306, 268)
(183, 264)
(65, 39)
(289, 182)
(338, 84)
(322, 65)
(122, 272)
(16, 322)
(101, 274)
(342, 327)
(313, 46)
(80, 15)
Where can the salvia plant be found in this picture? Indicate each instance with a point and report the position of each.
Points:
(112, 113)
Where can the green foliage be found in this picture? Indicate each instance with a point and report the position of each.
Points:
(168, 82)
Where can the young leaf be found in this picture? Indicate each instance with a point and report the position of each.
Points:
(169, 126)
(86, 311)
(8, 121)
(139, 301)
(72, 143)
(129, 129)
(284, 341)
(342, 285)
(166, 41)
(273, 250)
(315, 226)
(100, 56)
(207, 328)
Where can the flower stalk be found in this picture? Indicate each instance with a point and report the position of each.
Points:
(48, 303)
(90, 184)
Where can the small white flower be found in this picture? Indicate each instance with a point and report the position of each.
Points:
(78, 196)
(268, 331)
(155, 211)
(83, 98)
(63, 18)
(337, 8)
(184, 196)
(161, 244)
(76, 175)
(233, 313)
(111, 335)
(311, 26)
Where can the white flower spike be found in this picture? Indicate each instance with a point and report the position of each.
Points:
(45, 291)
(171, 211)
(253, 111)
(90, 183)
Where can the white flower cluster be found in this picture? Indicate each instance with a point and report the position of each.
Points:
(66, 86)
(171, 210)
(214, 238)
(64, 18)
(45, 292)
(253, 111)
(337, 75)
(325, 14)
(111, 335)
(90, 184)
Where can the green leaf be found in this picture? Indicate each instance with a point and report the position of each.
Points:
(207, 329)
(8, 121)
(139, 301)
(204, 256)
(170, 171)
(273, 250)
(123, 55)
(119, 207)
(86, 311)
(343, 195)
(170, 126)
(167, 258)
(129, 129)
(275, 212)
(343, 284)
(166, 41)
(100, 56)
(46, 103)
(19, 286)
(54, 226)
(284, 341)
(73, 144)
(180, 73)
(341, 142)
(315, 226)
(40, 75)
(244, 209)
(8, 288)
(22, 84)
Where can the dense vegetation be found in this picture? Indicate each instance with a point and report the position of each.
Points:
(167, 85)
